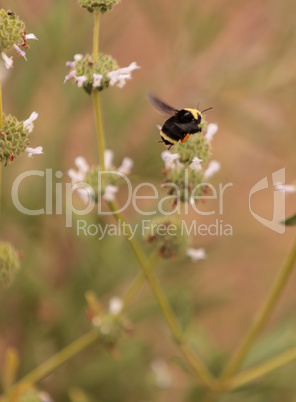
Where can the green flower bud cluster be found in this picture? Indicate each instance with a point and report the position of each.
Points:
(13, 138)
(196, 145)
(86, 67)
(165, 235)
(12, 30)
(9, 264)
(185, 181)
(100, 6)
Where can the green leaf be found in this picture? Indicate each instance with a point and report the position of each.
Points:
(291, 221)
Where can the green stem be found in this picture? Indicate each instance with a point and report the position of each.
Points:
(136, 286)
(96, 37)
(77, 346)
(1, 122)
(96, 95)
(262, 316)
(262, 369)
(58, 359)
(99, 127)
(194, 362)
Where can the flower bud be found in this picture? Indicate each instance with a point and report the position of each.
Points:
(13, 138)
(83, 69)
(12, 30)
(196, 146)
(9, 264)
(95, 76)
(101, 185)
(100, 6)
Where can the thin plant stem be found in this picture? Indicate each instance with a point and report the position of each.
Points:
(197, 366)
(78, 345)
(262, 369)
(96, 96)
(99, 127)
(136, 285)
(96, 36)
(58, 359)
(1, 120)
(262, 316)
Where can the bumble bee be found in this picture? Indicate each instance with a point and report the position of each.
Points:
(180, 125)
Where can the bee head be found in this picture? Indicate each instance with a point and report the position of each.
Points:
(189, 115)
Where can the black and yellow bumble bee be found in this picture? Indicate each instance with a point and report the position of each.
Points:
(180, 125)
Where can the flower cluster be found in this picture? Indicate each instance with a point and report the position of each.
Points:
(185, 170)
(12, 35)
(165, 234)
(14, 137)
(106, 185)
(100, 6)
(109, 322)
(98, 75)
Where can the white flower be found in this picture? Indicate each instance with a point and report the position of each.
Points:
(127, 70)
(196, 254)
(119, 79)
(287, 188)
(97, 80)
(110, 191)
(34, 151)
(80, 80)
(20, 52)
(126, 166)
(7, 60)
(31, 36)
(70, 64)
(69, 76)
(214, 167)
(83, 168)
(195, 164)
(76, 177)
(78, 56)
(120, 76)
(108, 158)
(28, 124)
(84, 192)
(81, 164)
(212, 128)
(115, 305)
(169, 159)
(162, 374)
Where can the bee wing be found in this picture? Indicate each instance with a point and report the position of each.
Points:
(161, 106)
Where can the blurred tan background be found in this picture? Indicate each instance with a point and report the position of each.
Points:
(236, 56)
